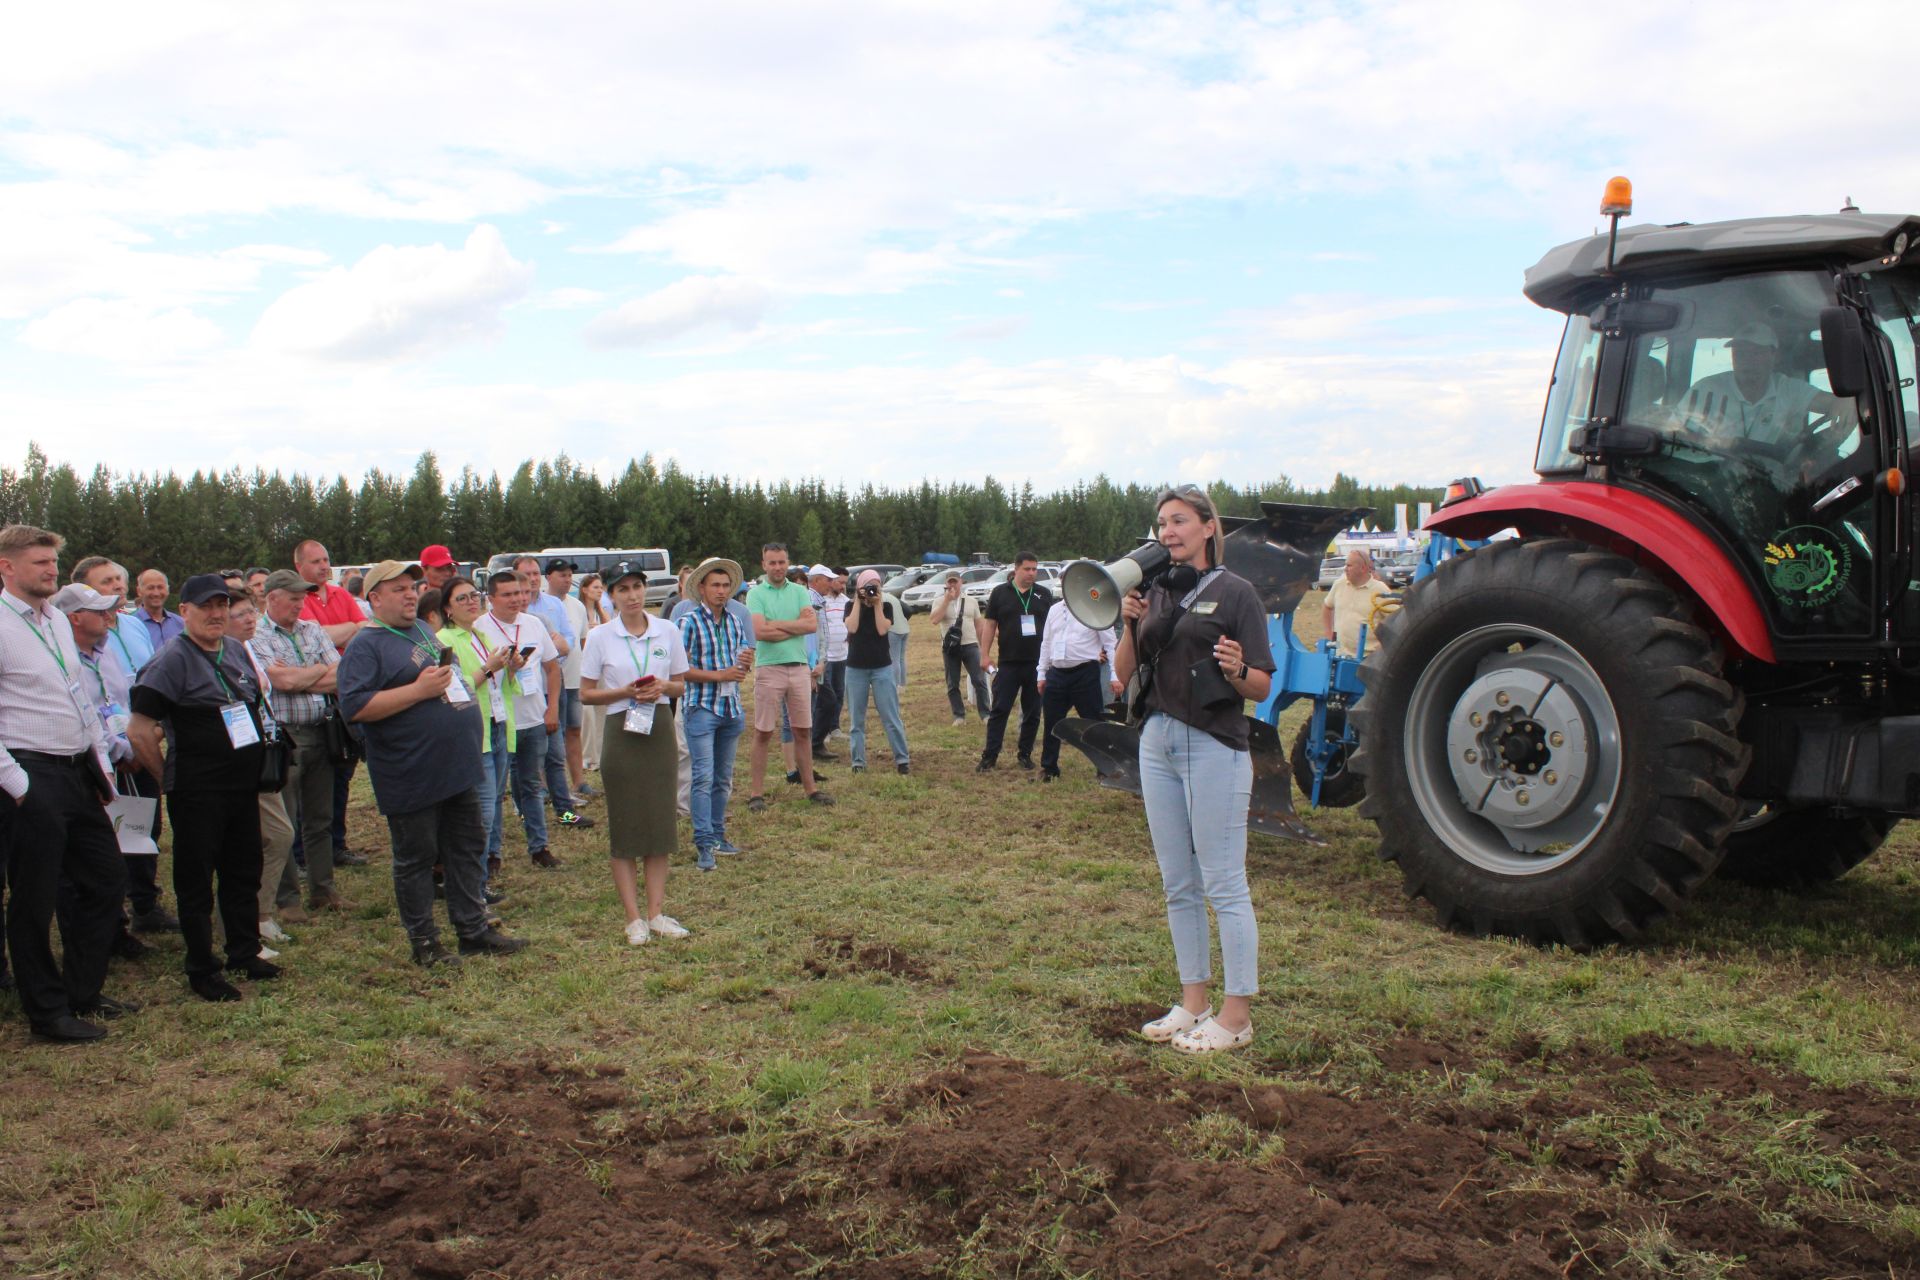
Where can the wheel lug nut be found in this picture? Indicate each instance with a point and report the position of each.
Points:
(1476, 720)
(1557, 739)
(1551, 777)
(1473, 757)
(1501, 699)
(1520, 798)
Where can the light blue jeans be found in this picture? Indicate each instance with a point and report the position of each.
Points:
(886, 700)
(530, 784)
(495, 767)
(711, 740)
(1197, 792)
(897, 646)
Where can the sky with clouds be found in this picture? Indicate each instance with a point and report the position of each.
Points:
(869, 241)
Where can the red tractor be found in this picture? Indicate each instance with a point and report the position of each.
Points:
(1702, 653)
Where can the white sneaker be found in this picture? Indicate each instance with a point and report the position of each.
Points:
(667, 927)
(636, 932)
(268, 953)
(270, 931)
(1174, 1022)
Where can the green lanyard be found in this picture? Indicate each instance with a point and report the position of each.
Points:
(220, 675)
(98, 679)
(124, 651)
(1026, 601)
(639, 666)
(50, 647)
(293, 638)
(413, 639)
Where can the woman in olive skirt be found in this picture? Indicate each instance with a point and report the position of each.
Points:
(632, 666)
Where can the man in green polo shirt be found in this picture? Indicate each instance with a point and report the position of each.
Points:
(783, 617)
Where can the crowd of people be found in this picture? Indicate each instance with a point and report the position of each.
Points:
(240, 719)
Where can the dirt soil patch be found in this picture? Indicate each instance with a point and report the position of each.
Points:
(840, 954)
(1002, 1169)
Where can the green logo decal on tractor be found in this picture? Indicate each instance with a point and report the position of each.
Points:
(1807, 566)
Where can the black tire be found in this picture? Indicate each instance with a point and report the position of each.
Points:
(1341, 788)
(1803, 848)
(1555, 632)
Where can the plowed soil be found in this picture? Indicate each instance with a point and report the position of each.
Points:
(991, 1168)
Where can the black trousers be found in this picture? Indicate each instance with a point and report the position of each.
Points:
(216, 833)
(965, 658)
(1068, 689)
(1014, 679)
(828, 697)
(61, 830)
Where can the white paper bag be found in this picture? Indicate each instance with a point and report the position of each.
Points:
(132, 818)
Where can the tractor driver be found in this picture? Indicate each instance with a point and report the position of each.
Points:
(1752, 401)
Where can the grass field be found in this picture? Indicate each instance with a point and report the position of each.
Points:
(896, 1045)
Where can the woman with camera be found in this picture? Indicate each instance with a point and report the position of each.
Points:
(870, 619)
(1198, 637)
(634, 666)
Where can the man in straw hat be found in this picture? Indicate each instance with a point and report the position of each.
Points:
(719, 656)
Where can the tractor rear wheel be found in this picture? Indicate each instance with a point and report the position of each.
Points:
(1548, 745)
(1801, 848)
(1340, 786)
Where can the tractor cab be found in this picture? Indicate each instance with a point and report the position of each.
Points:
(1700, 372)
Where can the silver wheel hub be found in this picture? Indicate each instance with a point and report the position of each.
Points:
(1518, 746)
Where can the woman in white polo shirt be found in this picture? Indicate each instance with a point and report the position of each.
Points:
(632, 667)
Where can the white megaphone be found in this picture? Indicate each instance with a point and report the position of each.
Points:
(1092, 591)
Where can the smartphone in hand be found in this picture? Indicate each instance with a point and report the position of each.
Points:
(446, 656)
(528, 650)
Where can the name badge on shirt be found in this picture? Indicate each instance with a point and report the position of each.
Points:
(457, 691)
(1202, 608)
(640, 717)
(240, 730)
(1029, 625)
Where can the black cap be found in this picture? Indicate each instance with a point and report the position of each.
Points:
(556, 565)
(622, 571)
(202, 587)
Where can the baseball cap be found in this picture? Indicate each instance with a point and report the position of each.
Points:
(820, 571)
(622, 571)
(202, 587)
(77, 597)
(1756, 334)
(556, 565)
(288, 580)
(386, 571)
(436, 557)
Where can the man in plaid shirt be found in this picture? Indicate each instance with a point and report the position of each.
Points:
(719, 654)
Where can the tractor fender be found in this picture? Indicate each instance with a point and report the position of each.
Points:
(1649, 532)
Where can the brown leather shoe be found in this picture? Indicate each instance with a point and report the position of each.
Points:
(543, 857)
(328, 900)
(295, 914)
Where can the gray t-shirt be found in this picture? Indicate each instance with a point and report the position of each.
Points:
(431, 751)
(184, 687)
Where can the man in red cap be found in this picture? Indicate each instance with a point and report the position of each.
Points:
(440, 566)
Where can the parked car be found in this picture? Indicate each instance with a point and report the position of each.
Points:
(661, 589)
(1330, 570)
(884, 570)
(1397, 570)
(920, 599)
(907, 579)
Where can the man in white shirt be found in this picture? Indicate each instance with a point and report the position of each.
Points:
(830, 602)
(54, 772)
(1751, 401)
(533, 675)
(1072, 656)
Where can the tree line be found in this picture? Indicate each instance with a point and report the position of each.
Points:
(236, 519)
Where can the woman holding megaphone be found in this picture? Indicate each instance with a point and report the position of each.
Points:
(1198, 637)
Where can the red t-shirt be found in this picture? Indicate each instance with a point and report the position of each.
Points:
(330, 606)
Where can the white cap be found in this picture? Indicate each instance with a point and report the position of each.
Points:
(78, 597)
(819, 571)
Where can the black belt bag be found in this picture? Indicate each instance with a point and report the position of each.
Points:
(342, 747)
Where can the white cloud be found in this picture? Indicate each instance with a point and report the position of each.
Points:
(697, 302)
(399, 301)
(121, 331)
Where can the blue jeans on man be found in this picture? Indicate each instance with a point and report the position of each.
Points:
(496, 766)
(529, 783)
(711, 740)
(558, 788)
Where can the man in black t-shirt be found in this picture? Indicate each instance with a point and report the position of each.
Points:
(201, 697)
(1016, 612)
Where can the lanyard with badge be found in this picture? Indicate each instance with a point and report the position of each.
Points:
(639, 717)
(75, 694)
(456, 687)
(241, 731)
(1028, 623)
(112, 714)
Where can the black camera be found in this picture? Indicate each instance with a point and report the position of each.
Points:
(870, 592)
